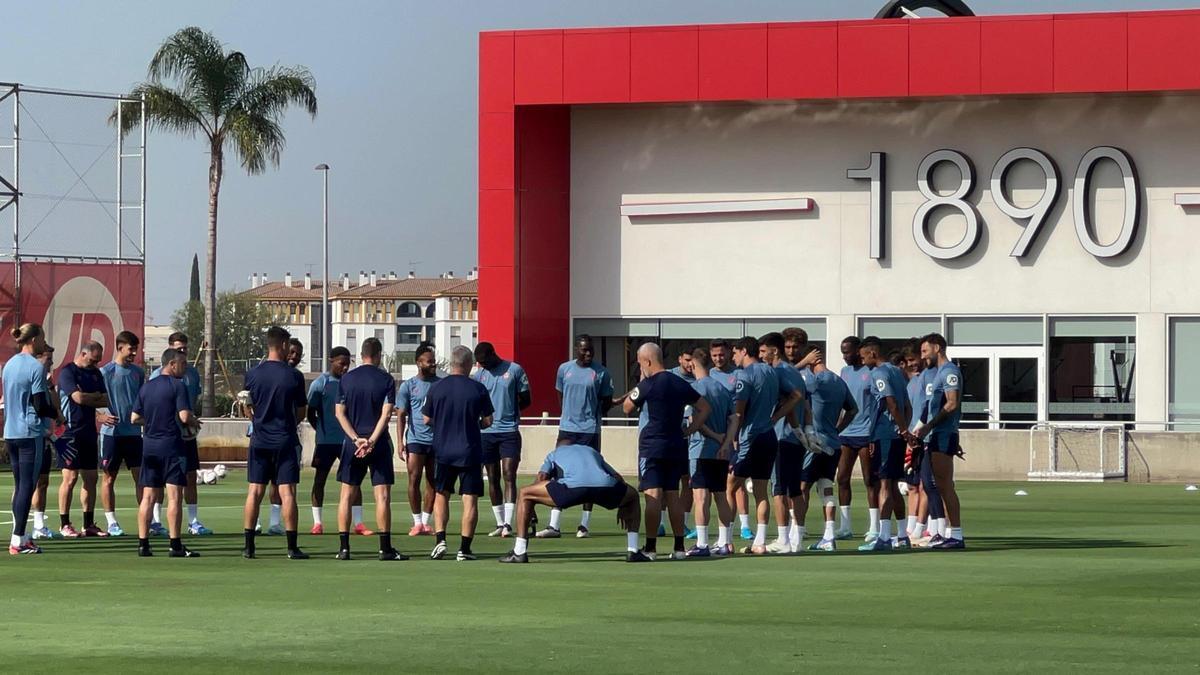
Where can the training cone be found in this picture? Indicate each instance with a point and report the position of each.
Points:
(1021, 493)
(1191, 488)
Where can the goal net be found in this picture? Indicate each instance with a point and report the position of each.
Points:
(1077, 452)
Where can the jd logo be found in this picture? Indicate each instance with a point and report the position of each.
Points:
(81, 311)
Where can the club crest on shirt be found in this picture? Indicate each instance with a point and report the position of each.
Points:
(879, 384)
(929, 389)
(739, 386)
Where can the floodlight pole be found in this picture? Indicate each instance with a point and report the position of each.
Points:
(325, 324)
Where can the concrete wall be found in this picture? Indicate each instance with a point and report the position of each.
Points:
(990, 455)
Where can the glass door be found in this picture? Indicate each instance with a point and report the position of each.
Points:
(1002, 386)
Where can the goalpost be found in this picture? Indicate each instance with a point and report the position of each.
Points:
(1078, 451)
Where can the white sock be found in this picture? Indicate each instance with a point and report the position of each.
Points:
(874, 515)
(828, 530)
(941, 525)
(498, 512)
(416, 519)
(760, 534)
(355, 510)
(844, 511)
(425, 515)
(509, 509)
(792, 516)
(885, 529)
(521, 546)
(16, 541)
(687, 519)
(631, 541)
(912, 524)
(276, 512)
(585, 519)
(783, 534)
(111, 517)
(316, 510)
(722, 535)
(918, 530)
(39, 520)
(157, 516)
(956, 533)
(194, 513)
(744, 519)
(702, 536)
(796, 534)
(555, 517)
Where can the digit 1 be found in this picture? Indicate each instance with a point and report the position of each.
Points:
(876, 172)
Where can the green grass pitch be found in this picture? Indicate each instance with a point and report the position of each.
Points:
(1070, 577)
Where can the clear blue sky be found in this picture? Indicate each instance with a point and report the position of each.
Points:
(396, 81)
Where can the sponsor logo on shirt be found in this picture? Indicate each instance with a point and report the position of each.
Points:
(952, 380)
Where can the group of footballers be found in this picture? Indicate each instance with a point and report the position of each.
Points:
(752, 425)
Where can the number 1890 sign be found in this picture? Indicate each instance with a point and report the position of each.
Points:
(1036, 214)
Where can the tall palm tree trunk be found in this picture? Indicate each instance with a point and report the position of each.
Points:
(215, 170)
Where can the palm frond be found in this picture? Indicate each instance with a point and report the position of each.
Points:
(165, 109)
(270, 91)
(205, 73)
(257, 140)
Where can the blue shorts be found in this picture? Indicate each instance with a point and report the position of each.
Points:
(278, 465)
(945, 443)
(423, 449)
(468, 478)
(565, 497)
(115, 450)
(710, 474)
(758, 460)
(818, 465)
(854, 442)
(504, 445)
(325, 454)
(158, 470)
(352, 470)
(786, 474)
(579, 438)
(660, 473)
(890, 454)
(78, 453)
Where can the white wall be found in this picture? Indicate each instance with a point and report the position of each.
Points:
(817, 264)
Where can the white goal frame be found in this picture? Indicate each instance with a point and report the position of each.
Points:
(1045, 467)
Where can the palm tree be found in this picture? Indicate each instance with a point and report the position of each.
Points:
(234, 107)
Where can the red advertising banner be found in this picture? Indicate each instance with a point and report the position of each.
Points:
(74, 302)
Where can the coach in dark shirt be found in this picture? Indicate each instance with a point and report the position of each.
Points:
(278, 402)
(457, 408)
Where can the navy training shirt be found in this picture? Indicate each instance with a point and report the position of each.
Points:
(363, 391)
(81, 419)
(276, 392)
(454, 406)
(159, 402)
(662, 398)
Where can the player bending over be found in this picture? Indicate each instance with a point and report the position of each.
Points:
(573, 475)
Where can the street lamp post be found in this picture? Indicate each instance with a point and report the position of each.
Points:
(324, 169)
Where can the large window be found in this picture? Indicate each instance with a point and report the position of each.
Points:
(893, 332)
(1091, 369)
(409, 309)
(352, 340)
(408, 335)
(1183, 403)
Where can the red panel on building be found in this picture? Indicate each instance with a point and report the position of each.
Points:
(1164, 51)
(1017, 55)
(1090, 53)
(733, 62)
(596, 66)
(664, 64)
(873, 59)
(496, 71)
(943, 58)
(802, 61)
(497, 155)
(497, 228)
(539, 67)
(74, 302)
